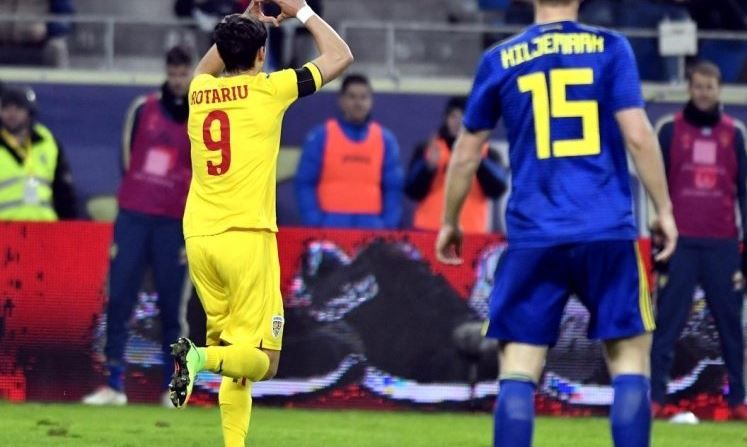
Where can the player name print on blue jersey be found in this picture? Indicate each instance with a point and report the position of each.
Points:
(557, 87)
(552, 43)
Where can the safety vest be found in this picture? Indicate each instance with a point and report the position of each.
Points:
(157, 180)
(26, 188)
(702, 177)
(429, 212)
(351, 172)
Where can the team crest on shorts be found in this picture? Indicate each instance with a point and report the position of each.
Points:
(277, 326)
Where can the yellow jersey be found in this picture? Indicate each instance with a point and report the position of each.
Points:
(234, 129)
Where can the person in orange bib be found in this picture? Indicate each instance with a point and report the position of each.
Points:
(426, 178)
(349, 175)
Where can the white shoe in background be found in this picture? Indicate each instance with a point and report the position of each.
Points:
(686, 417)
(106, 396)
(166, 400)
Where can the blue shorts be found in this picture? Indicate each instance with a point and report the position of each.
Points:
(533, 285)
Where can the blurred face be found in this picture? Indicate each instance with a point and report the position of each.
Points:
(15, 119)
(705, 91)
(356, 103)
(454, 121)
(178, 78)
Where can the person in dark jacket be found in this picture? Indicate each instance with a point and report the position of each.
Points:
(426, 177)
(148, 228)
(704, 154)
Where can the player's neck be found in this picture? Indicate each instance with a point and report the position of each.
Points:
(551, 14)
(255, 70)
(250, 72)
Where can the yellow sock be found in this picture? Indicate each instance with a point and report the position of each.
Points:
(235, 399)
(237, 362)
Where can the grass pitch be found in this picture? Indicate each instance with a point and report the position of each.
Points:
(63, 425)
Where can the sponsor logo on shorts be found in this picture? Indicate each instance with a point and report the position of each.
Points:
(277, 326)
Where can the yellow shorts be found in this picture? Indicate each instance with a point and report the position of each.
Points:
(237, 276)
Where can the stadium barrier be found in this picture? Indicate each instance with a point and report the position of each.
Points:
(371, 321)
(134, 44)
(452, 50)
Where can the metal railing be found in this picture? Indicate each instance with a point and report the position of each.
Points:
(109, 24)
(396, 35)
(393, 31)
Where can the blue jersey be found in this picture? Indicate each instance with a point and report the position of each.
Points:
(557, 87)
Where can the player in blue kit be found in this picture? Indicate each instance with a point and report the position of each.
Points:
(571, 101)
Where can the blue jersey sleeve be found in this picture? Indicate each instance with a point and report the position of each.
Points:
(307, 177)
(484, 107)
(624, 84)
(392, 180)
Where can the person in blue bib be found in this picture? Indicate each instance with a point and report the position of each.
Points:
(571, 101)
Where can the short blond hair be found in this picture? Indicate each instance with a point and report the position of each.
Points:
(704, 68)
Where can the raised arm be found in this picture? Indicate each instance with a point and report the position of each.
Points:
(211, 63)
(334, 53)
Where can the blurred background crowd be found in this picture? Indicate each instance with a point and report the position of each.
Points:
(425, 40)
(410, 35)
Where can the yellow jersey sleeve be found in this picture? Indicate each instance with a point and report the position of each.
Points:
(316, 75)
(293, 84)
(200, 81)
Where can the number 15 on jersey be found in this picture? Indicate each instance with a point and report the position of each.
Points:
(552, 102)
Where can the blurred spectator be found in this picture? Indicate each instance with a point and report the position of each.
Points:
(704, 154)
(35, 180)
(729, 55)
(290, 44)
(718, 14)
(512, 12)
(640, 14)
(34, 42)
(648, 14)
(426, 178)
(470, 11)
(208, 13)
(148, 228)
(600, 12)
(350, 175)
(520, 12)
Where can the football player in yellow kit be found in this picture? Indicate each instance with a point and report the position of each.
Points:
(235, 118)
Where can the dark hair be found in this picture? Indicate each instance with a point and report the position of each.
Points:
(238, 39)
(20, 96)
(179, 55)
(455, 103)
(353, 79)
(704, 68)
